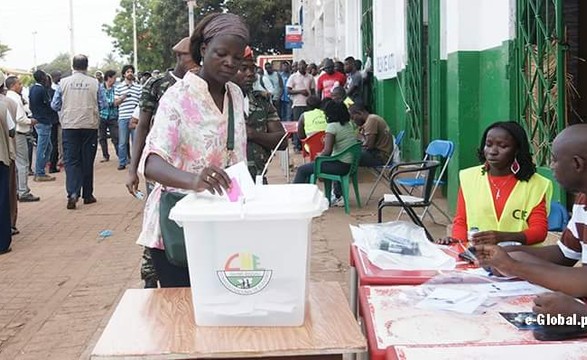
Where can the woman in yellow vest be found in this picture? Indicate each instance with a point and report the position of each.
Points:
(313, 119)
(504, 198)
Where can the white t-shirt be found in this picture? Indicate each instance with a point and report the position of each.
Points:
(297, 81)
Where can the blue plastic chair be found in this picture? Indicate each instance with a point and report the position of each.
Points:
(558, 217)
(441, 150)
(384, 171)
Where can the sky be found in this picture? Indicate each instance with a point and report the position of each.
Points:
(50, 20)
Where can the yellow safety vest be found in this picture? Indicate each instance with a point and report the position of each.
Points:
(314, 121)
(514, 218)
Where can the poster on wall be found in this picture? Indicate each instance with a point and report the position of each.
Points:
(293, 37)
(388, 38)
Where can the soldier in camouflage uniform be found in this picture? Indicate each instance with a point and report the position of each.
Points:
(264, 130)
(152, 92)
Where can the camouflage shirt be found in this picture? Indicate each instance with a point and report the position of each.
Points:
(261, 112)
(153, 89)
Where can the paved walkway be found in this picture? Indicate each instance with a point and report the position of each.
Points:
(61, 282)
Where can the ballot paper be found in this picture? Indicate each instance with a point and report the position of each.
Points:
(464, 302)
(510, 288)
(486, 274)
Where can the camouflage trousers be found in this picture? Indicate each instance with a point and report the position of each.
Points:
(147, 268)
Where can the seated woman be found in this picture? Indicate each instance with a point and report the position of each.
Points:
(504, 198)
(340, 134)
(312, 120)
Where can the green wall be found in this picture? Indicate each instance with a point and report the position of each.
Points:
(389, 103)
(478, 94)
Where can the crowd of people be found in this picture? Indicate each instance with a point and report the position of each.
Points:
(216, 108)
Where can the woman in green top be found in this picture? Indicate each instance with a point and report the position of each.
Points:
(340, 134)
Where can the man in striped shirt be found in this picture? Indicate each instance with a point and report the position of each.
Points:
(127, 95)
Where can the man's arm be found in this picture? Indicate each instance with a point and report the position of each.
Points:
(141, 132)
(57, 101)
(301, 131)
(569, 280)
(119, 97)
(270, 139)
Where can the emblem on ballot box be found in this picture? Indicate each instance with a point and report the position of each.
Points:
(243, 274)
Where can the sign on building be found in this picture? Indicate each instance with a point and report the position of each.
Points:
(388, 38)
(293, 37)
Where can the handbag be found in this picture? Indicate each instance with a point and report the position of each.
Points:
(172, 234)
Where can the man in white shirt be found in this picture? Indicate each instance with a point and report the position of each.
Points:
(300, 85)
(23, 130)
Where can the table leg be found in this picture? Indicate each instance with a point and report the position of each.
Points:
(354, 289)
(287, 164)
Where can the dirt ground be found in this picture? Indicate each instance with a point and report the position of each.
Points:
(61, 282)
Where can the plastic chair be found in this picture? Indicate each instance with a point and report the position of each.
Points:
(425, 170)
(558, 217)
(313, 145)
(384, 171)
(437, 149)
(355, 150)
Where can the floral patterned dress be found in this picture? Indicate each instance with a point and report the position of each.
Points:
(190, 133)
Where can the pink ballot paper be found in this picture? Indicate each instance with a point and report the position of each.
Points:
(234, 192)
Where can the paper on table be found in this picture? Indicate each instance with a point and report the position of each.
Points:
(460, 301)
(511, 288)
(431, 258)
(482, 272)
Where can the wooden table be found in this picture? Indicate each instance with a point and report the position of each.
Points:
(159, 324)
(398, 330)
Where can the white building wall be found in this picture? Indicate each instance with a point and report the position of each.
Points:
(331, 29)
(476, 25)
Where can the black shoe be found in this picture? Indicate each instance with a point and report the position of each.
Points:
(151, 284)
(28, 198)
(14, 230)
(71, 202)
(121, 167)
(53, 171)
(90, 200)
(5, 251)
(105, 159)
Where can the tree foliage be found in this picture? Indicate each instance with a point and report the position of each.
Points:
(161, 24)
(4, 49)
(62, 63)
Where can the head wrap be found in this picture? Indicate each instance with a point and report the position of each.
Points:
(225, 24)
(248, 53)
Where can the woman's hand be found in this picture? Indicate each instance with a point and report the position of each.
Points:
(487, 238)
(213, 179)
(445, 241)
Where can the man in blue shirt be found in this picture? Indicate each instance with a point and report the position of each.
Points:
(40, 105)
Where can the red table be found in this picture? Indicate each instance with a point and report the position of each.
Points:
(398, 330)
(363, 272)
(550, 351)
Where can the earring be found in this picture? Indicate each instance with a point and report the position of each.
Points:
(515, 168)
